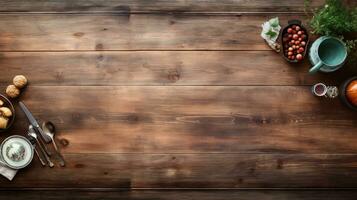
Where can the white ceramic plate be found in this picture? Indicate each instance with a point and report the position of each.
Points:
(16, 152)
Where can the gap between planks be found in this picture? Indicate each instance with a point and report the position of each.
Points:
(154, 13)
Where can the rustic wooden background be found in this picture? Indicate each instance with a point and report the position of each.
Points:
(173, 99)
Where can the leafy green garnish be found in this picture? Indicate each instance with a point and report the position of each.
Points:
(334, 19)
(271, 33)
(274, 22)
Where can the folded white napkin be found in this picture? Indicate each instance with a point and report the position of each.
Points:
(7, 171)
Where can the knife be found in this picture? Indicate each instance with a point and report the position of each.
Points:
(33, 122)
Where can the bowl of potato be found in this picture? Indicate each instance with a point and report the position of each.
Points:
(7, 113)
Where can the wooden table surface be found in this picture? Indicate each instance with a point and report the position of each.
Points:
(173, 99)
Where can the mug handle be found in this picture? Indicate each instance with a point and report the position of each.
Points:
(315, 68)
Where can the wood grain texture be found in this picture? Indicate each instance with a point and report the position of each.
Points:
(181, 194)
(191, 171)
(161, 68)
(161, 6)
(192, 119)
(133, 32)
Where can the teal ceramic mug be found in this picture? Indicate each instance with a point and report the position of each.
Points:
(327, 54)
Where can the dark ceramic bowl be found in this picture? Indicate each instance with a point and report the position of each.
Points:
(7, 103)
(285, 31)
(343, 96)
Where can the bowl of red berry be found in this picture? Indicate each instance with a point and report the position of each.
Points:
(294, 41)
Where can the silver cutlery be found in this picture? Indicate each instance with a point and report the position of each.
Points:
(34, 135)
(40, 142)
(33, 142)
(49, 129)
(33, 122)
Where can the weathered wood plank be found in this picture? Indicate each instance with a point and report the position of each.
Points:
(182, 194)
(160, 6)
(133, 32)
(160, 68)
(192, 119)
(192, 171)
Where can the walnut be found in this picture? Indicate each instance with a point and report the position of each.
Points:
(20, 81)
(5, 111)
(12, 91)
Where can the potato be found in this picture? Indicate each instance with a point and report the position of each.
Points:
(3, 122)
(5, 111)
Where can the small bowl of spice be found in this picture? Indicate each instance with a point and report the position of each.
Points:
(7, 113)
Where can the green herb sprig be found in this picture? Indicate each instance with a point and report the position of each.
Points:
(335, 19)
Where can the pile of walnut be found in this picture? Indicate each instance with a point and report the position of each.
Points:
(5, 114)
(19, 82)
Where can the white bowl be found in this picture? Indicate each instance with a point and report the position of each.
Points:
(16, 152)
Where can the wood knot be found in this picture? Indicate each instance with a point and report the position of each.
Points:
(64, 142)
(78, 34)
(99, 47)
(79, 166)
(100, 58)
(59, 76)
(133, 118)
(279, 164)
(173, 76)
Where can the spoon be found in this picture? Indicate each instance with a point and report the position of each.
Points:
(49, 129)
(32, 134)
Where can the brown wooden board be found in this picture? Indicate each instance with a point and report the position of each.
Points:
(182, 194)
(160, 68)
(173, 94)
(191, 171)
(53, 32)
(162, 6)
(192, 119)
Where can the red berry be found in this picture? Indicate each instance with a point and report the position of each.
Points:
(290, 36)
(301, 49)
(295, 36)
(300, 39)
(297, 42)
(290, 30)
(290, 53)
(292, 57)
(290, 49)
(297, 28)
(299, 33)
(303, 43)
(299, 56)
(292, 41)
